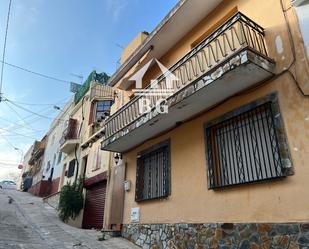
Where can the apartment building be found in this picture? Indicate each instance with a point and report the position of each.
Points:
(83, 157)
(38, 187)
(25, 170)
(53, 157)
(218, 160)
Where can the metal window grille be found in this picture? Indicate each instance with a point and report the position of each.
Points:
(71, 168)
(243, 149)
(153, 173)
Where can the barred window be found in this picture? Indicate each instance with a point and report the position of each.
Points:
(243, 148)
(153, 173)
(103, 108)
(71, 168)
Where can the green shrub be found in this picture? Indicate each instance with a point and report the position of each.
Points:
(71, 200)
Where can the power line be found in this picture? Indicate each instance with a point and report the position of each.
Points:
(7, 161)
(36, 104)
(4, 46)
(20, 117)
(35, 73)
(8, 141)
(16, 133)
(8, 165)
(18, 124)
(34, 113)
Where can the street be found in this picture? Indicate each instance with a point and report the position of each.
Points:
(27, 222)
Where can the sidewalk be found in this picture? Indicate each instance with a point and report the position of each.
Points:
(29, 223)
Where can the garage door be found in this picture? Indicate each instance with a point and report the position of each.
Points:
(94, 206)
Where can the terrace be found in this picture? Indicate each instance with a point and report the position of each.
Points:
(233, 58)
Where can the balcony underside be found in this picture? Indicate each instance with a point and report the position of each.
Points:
(69, 146)
(241, 71)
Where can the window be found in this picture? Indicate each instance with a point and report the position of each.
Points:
(153, 173)
(50, 178)
(59, 157)
(71, 168)
(97, 159)
(102, 108)
(47, 167)
(54, 160)
(85, 161)
(53, 140)
(244, 148)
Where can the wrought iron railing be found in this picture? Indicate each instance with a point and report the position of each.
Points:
(238, 33)
(70, 132)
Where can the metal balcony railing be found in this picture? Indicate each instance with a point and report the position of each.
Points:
(70, 132)
(237, 34)
(99, 91)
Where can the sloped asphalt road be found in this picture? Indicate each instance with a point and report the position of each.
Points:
(28, 223)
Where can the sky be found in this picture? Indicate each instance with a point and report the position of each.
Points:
(59, 38)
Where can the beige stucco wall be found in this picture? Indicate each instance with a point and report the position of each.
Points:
(133, 45)
(275, 26)
(78, 112)
(92, 154)
(190, 200)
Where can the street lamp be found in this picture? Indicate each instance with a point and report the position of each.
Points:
(21, 153)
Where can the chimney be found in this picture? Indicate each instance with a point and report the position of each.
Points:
(133, 45)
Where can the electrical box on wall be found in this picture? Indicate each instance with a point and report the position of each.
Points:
(135, 214)
(127, 185)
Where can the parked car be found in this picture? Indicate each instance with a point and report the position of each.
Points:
(7, 184)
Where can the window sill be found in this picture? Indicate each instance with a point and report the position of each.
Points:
(165, 197)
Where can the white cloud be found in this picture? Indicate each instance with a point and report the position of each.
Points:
(116, 7)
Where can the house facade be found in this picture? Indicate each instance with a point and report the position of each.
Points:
(38, 187)
(83, 157)
(53, 157)
(26, 168)
(219, 161)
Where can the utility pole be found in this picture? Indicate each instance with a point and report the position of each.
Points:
(4, 49)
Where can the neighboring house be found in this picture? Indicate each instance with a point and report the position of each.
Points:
(81, 146)
(26, 168)
(38, 187)
(232, 151)
(53, 158)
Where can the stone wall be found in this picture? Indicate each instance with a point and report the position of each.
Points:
(225, 235)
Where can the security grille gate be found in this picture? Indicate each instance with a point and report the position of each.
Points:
(243, 149)
(153, 167)
(94, 206)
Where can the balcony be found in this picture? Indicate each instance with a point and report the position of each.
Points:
(233, 58)
(101, 92)
(69, 138)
